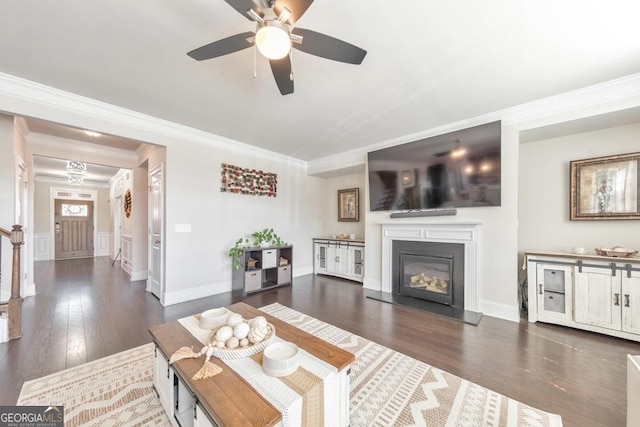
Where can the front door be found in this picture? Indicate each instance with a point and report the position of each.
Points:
(73, 229)
(154, 282)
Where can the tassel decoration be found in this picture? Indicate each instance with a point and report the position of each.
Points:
(208, 370)
(183, 353)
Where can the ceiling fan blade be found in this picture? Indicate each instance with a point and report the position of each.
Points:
(281, 69)
(243, 5)
(319, 44)
(296, 7)
(222, 47)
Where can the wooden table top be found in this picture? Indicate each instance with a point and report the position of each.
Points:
(226, 397)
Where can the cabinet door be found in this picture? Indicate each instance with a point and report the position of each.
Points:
(320, 262)
(163, 382)
(598, 299)
(356, 260)
(338, 258)
(553, 296)
(630, 302)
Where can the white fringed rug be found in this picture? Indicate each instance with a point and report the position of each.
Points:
(387, 388)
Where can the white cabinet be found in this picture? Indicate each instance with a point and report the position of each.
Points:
(163, 379)
(598, 298)
(554, 285)
(595, 293)
(340, 258)
(320, 255)
(181, 406)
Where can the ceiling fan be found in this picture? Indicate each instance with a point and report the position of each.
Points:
(275, 35)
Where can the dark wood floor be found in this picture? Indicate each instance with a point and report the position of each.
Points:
(87, 309)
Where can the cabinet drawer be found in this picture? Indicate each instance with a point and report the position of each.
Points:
(269, 258)
(554, 301)
(284, 274)
(554, 280)
(252, 280)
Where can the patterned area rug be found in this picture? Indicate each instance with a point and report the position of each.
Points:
(387, 388)
(391, 389)
(113, 391)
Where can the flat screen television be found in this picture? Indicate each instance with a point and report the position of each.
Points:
(453, 170)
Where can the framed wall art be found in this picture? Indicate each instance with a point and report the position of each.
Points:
(605, 188)
(253, 182)
(349, 204)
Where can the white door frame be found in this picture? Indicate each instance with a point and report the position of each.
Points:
(22, 218)
(150, 222)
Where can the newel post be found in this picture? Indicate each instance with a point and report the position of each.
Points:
(15, 302)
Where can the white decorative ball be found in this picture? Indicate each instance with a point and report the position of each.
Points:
(224, 333)
(259, 322)
(244, 342)
(232, 343)
(234, 319)
(241, 330)
(257, 334)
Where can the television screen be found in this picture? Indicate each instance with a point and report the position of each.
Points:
(453, 170)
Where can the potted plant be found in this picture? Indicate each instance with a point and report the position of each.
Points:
(264, 238)
(236, 252)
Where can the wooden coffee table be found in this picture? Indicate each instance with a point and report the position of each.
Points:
(227, 399)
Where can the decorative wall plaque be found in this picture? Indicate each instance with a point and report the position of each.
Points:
(253, 182)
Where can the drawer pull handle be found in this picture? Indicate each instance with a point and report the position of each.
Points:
(617, 299)
(540, 285)
(626, 300)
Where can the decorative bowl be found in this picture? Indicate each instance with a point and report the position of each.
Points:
(214, 318)
(616, 251)
(250, 350)
(280, 359)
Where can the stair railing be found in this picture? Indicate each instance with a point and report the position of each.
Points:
(14, 307)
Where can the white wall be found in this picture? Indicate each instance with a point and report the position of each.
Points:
(545, 190)
(331, 223)
(197, 262)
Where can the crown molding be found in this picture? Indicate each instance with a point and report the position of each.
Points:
(601, 98)
(24, 97)
(38, 140)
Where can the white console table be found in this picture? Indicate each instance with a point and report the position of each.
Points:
(590, 292)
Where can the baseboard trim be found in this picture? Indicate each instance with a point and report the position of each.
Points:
(502, 311)
(374, 285)
(139, 275)
(184, 295)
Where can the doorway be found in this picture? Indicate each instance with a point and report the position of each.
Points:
(73, 228)
(156, 218)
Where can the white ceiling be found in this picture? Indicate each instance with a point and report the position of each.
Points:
(429, 63)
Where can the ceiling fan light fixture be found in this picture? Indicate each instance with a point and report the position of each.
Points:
(272, 39)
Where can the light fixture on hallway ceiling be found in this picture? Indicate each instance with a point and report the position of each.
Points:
(458, 152)
(75, 179)
(75, 166)
(92, 133)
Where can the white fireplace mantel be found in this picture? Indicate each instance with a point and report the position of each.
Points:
(467, 233)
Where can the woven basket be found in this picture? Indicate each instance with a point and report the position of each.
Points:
(620, 252)
(241, 353)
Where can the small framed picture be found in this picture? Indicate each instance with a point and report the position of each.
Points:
(605, 188)
(348, 204)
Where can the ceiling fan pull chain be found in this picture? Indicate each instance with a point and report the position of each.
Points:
(255, 74)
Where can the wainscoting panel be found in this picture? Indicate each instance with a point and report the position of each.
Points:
(127, 246)
(103, 244)
(41, 247)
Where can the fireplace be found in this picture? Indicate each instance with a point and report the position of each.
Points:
(466, 234)
(432, 271)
